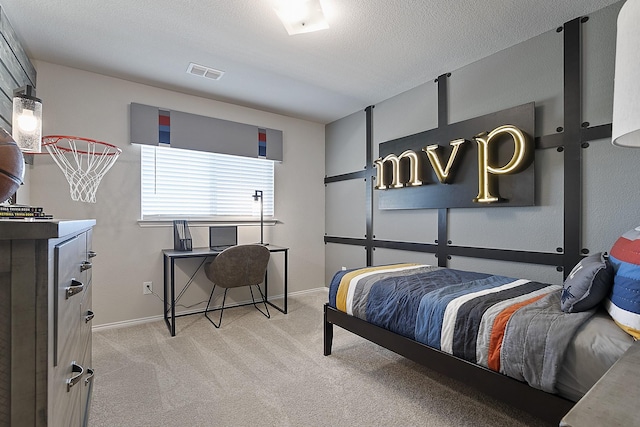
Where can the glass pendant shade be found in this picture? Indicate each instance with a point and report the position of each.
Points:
(27, 123)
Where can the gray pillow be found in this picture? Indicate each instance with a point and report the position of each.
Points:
(588, 284)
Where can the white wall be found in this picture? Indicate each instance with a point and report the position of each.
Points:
(94, 106)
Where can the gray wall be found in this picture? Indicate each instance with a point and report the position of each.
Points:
(529, 71)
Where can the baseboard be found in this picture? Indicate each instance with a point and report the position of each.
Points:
(132, 322)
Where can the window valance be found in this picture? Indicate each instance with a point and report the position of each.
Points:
(154, 126)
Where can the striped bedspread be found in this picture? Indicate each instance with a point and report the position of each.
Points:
(512, 326)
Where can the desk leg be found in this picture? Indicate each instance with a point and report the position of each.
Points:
(286, 279)
(166, 292)
(173, 298)
(169, 304)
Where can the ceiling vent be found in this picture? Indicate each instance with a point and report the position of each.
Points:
(202, 71)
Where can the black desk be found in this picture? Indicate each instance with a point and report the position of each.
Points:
(170, 299)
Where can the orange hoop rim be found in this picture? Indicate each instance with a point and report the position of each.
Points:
(53, 140)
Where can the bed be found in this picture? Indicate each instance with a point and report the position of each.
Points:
(508, 337)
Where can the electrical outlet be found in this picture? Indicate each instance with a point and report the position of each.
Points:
(147, 288)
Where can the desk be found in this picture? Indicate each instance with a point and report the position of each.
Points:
(170, 256)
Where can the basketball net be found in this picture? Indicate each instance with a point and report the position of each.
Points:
(83, 161)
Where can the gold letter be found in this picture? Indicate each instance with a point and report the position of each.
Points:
(520, 153)
(414, 180)
(443, 174)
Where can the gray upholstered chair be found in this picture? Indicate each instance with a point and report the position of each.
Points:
(240, 265)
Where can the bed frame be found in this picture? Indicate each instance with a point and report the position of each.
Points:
(545, 406)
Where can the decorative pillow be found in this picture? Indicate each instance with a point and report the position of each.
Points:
(623, 303)
(588, 284)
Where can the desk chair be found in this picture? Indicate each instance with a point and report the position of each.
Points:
(241, 265)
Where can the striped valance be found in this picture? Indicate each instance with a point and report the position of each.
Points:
(155, 126)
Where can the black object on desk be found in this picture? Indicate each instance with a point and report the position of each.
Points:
(181, 236)
(170, 299)
(223, 237)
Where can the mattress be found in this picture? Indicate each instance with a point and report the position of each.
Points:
(512, 326)
(595, 347)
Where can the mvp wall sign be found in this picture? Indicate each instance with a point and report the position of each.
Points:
(480, 162)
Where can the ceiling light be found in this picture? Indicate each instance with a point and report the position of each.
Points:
(301, 16)
(206, 72)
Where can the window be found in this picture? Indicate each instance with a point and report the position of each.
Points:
(195, 184)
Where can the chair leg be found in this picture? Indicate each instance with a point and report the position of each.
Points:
(264, 300)
(221, 308)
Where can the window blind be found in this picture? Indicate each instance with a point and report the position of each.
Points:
(179, 183)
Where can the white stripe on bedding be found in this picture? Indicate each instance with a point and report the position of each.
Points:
(451, 312)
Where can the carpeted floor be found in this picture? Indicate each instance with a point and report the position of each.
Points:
(271, 372)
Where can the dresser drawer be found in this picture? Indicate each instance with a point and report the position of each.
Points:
(71, 283)
(66, 391)
(86, 318)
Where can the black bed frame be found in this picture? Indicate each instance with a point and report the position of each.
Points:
(571, 138)
(545, 406)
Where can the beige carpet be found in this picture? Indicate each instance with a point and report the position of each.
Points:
(271, 372)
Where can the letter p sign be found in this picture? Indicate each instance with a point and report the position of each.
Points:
(485, 170)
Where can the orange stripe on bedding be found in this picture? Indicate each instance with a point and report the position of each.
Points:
(497, 332)
(343, 288)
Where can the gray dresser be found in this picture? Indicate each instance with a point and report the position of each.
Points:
(45, 322)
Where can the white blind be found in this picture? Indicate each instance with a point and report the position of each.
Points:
(197, 184)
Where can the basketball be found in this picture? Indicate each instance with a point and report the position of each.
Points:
(11, 166)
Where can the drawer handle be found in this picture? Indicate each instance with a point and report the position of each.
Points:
(76, 287)
(79, 371)
(85, 265)
(89, 378)
(91, 254)
(89, 316)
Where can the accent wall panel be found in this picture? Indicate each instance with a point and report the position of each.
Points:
(611, 205)
(410, 225)
(338, 256)
(344, 209)
(345, 152)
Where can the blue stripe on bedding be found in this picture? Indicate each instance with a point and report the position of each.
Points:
(394, 302)
(433, 305)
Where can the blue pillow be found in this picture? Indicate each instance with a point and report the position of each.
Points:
(588, 284)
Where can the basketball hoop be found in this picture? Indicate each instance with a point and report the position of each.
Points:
(83, 161)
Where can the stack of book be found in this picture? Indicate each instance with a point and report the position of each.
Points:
(19, 211)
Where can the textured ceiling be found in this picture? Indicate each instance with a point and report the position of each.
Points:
(373, 50)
